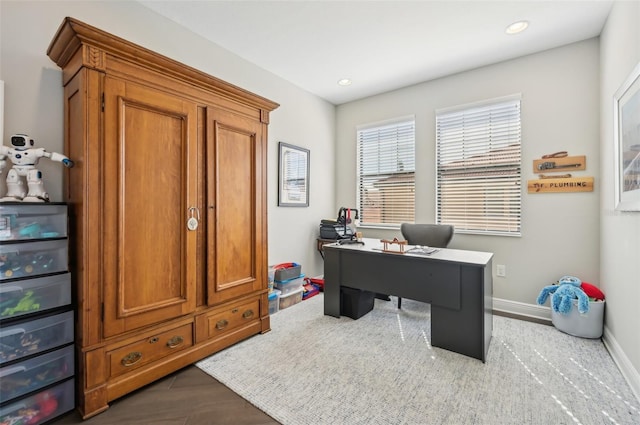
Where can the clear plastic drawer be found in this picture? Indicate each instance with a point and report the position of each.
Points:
(32, 221)
(31, 337)
(40, 407)
(32, 259)
(28, 296)
(36, 373)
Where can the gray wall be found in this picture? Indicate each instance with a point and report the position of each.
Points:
(620, 231)
(33, 103)
(559, 112)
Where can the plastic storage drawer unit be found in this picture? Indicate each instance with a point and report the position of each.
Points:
(35, 336)
(40, 407)
(21, 221)
(31, 259)
(34, 295)
(33, 374)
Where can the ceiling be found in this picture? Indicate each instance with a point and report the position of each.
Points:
(381, 45)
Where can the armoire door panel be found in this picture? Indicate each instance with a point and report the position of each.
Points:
(234, 148)
(150, 147)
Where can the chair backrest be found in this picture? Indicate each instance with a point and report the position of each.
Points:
(435, 235)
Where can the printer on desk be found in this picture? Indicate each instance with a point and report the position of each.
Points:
(340, 228)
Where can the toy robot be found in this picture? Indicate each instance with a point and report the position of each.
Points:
(3, 161)
(25, 158)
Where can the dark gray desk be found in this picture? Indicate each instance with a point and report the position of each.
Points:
(457, 283)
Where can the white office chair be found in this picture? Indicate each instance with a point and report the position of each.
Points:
(431, 235)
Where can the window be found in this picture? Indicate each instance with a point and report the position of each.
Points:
(386, 173)
(478, 173)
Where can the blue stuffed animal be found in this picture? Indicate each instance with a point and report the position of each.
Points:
(563, 294)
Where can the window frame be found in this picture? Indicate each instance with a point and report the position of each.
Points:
(508, 146)
(405, 121)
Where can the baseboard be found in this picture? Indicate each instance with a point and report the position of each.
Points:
(522, 309)
(539, 312)
(622, 361)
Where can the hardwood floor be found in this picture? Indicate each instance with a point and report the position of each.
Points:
(187, 397)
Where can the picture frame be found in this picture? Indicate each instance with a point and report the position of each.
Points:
(293, 176)
(626, 123)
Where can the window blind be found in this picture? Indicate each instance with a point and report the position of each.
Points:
(478, 181)
(386, 174)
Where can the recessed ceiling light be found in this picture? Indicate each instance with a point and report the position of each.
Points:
(344, 82)
(517, 27)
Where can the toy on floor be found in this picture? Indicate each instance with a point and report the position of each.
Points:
(24, 158)
(563, 294)
(593, 292)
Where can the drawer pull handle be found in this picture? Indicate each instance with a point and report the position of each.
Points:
(175, 341)
(247, 314)
(131, 358)
(222, 324)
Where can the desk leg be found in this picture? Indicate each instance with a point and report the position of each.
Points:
(462, 331)
(332, 283)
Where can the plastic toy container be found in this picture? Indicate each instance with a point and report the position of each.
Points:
(32, 259)
(588, 325)
(291, 285)
(34, 295)
(274, 301)
(291, 298)
(31, 337)
(286, 273)
(21, 221)
(40, 407)
(30, 375)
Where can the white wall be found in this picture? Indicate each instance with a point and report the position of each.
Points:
(34, 100)
(620, 231)
(560, 104)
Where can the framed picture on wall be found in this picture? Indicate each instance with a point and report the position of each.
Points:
(626, 123)
(293, 176)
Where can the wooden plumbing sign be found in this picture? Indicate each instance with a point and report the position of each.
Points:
(556, 185)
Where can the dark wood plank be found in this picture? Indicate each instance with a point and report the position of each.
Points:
(187, 397)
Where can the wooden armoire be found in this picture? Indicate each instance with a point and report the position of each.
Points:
(168, 212)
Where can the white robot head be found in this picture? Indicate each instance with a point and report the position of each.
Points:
(22, 142)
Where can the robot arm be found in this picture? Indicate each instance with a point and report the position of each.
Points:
(58, 157)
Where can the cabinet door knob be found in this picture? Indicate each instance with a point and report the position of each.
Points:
(222, 324)
(247, 314)
(175, 341)
(131, 358)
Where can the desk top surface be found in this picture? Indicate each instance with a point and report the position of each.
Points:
(374, 246)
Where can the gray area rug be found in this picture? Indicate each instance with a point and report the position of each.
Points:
(381, 369)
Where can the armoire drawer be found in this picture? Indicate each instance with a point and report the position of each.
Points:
(234, 317)
(149, 349)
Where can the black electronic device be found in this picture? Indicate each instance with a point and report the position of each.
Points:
(340, 229)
